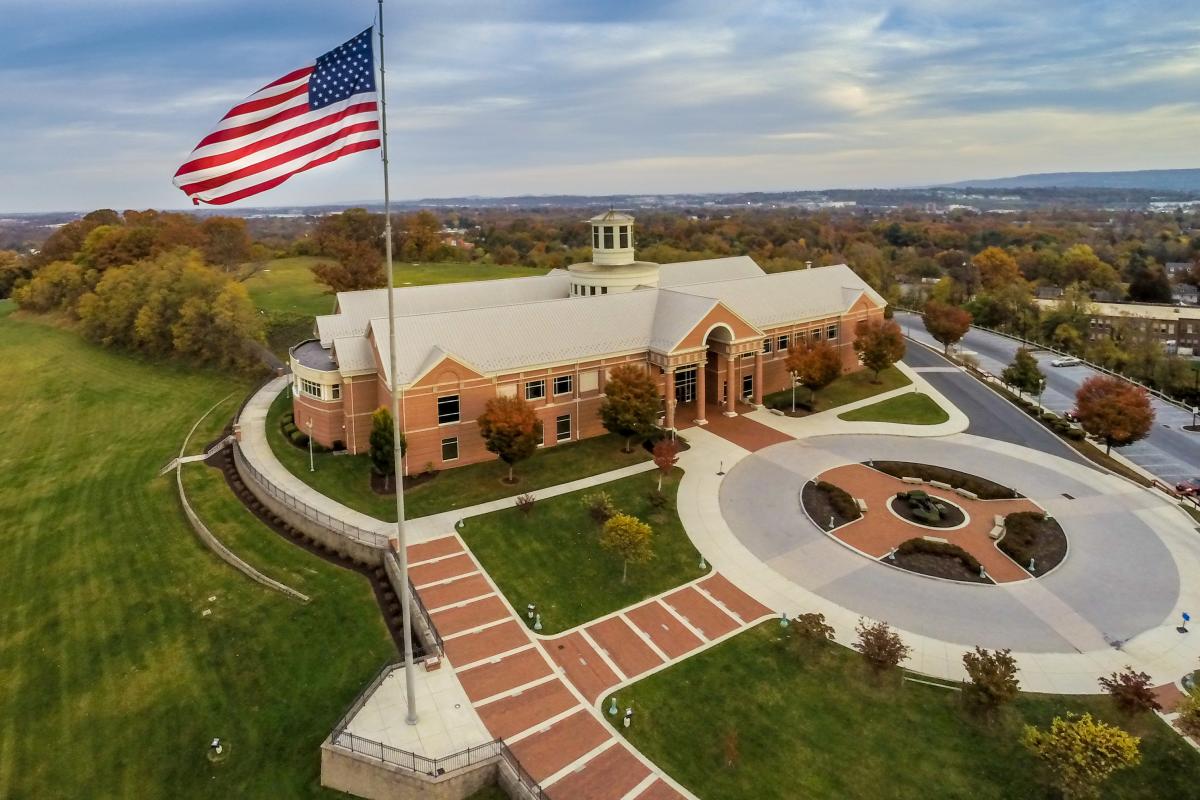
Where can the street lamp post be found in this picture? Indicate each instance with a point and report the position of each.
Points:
(793, 393)
(312, 467)
(1041, 388)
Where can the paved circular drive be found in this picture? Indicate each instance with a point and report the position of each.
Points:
(1119, 578)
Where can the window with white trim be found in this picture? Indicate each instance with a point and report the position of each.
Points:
(562, 428)
(624, 236)
(336, 390)
(767, 345)
(562, 384)
(309, 388)
(831, 332)
(448, 409)
(608, 237)
(450, 449)
(535, 390)
(816, 334)
(782, 344)
(747, 385)
(595, 237)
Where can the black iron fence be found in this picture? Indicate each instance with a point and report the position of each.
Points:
(424, 612)
(414, 762)
(352, 532)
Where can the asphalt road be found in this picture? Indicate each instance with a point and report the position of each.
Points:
(1169, 452)
(990, 414)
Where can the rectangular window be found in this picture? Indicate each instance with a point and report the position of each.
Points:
(595, 237)
(450, 449)
(766, 345)
(816, 334)
(447, 409)
(562, 428)
(603, 290)
(783, 343)
(831, 332)
(310, 388)
(593, 290)
(337, 391)
(608, 237)
(535, 390)
(624, 236)
(747, 385)
(562, 384)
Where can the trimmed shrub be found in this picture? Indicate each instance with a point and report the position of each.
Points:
(289, 428)
(1076, 434)
(841, 501)
(599, 507)
(298, 438)
(940, 549)
(987, 490)
(1021, 532)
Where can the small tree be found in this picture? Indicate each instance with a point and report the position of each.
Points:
(382, 443)
(814, 365)
(1023, 372)
(599, 506)
(811, 629)
(993, 679)
(1082, 753)
(879, 344)
(1131, 691)
(630, 539)
(631, 404)
(511, 430)
(881, 646)
(666, 453)
(1114, 410)
(1189, 713)
(945, 323)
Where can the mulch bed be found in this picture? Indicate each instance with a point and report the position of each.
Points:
(820, 507)
(1027, 534)
(985, 489)
(939, 566)
(952, 516)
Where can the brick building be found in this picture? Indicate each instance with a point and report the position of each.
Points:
(714, 333)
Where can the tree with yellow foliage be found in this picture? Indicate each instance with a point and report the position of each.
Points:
(1082, 753)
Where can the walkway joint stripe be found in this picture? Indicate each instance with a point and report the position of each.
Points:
(672, 611)
(477, 629)
(492, 659)
(443, 581)
(461, 603)
(729, 611)
(646, 783)
(579, 762)
(645, 637)
(435, 559)
(516, 690)
(539, 727)
(604, 656)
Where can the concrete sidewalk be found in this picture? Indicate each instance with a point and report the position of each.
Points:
(257, 452)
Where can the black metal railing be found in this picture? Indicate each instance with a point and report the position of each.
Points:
(352, 532)
(424, 612)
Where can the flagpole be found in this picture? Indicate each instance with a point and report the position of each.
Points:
(397, 542)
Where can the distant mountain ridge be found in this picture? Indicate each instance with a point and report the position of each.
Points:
(1167, 180)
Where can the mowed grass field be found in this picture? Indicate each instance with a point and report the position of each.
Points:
(287, 284)
(114, 680)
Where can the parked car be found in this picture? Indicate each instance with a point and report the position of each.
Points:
(1071, 416)
(1066, 361)
(1189, 487)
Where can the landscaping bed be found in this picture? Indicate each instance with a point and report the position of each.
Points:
(822, 500)
(552, 556)
(754, 717)
(848, 388)
(940, 560)
(985, 489)
(1029, 534)
(951, 515)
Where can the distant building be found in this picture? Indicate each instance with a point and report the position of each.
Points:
(1185, 293)
(1177, 328)
(1177, 269)
(1049, 292)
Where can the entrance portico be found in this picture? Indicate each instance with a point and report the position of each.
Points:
(722, 366)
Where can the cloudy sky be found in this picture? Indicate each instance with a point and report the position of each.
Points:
(101, 101)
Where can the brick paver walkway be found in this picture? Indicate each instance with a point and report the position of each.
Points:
(741, 430)
(535, 694)
(879, 530)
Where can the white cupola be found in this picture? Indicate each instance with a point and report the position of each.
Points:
(612, 238)
(613, 267)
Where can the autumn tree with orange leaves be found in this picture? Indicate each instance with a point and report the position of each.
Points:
(946, 323)
(814, 365)
(511, 430)
(1114, 410)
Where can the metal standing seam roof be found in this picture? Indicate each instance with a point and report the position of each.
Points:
(515, 323)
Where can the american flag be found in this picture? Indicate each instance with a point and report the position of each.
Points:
(311, 116)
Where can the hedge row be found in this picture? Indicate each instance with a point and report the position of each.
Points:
(1022, 530)
(842, 503)
(945, 549)
(985, 489)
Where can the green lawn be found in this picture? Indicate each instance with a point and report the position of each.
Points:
(815, 726)
(848, 388)
(347, 478)
(287, 284)
(552, 555)
(914, 408)
(114, 681)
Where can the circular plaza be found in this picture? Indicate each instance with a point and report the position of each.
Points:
(1119, 578)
